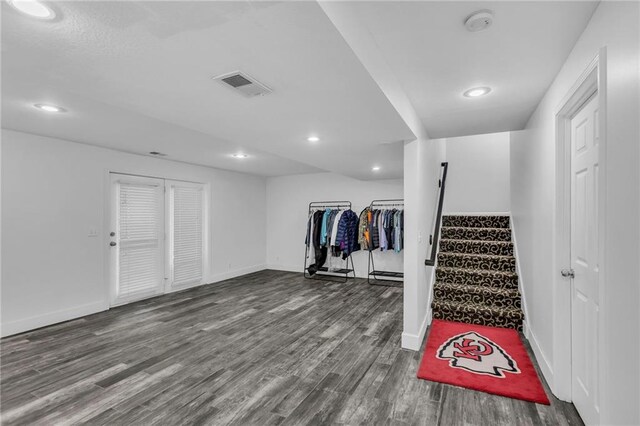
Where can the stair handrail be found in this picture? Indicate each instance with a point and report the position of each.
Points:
(433, 239)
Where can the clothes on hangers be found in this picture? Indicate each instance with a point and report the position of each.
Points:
(381, 228)
(331, 230)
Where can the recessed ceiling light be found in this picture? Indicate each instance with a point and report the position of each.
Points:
(49, 108)
(477, 91)
(375, 168)
(313, 139)
(240, 155)
(33, 8)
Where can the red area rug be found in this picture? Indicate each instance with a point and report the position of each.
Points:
(487, 359)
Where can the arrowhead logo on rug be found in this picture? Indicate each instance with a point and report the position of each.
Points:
(477, 354)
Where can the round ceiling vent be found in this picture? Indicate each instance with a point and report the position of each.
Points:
(478, 21)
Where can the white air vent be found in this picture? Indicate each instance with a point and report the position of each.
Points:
(244, 84)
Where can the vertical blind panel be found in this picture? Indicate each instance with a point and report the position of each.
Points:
(187, 235)
(140, 230)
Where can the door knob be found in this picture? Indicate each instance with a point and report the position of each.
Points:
(568, 273)
(112, 244)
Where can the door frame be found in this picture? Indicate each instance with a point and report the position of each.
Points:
(591, 81)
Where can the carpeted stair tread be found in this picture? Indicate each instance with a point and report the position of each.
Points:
(496, 279)
(482, 221)
(486, 262)
(464, 293)
(478, 234)
(497, 248)
(473, 313)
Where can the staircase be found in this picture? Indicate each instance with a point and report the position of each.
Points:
(476, 280)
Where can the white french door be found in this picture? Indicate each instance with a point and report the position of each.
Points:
(156, 237)
(137, 238)
(186, 233)
(584, 261)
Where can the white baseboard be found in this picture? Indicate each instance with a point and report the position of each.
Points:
(543, 362)
(236, 273)
(20, 326)
(414, 341)
(281, 267)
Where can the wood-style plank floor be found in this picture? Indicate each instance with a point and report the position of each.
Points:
(266, 348)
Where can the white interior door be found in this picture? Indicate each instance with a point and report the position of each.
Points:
(584, 261)
(137, 238)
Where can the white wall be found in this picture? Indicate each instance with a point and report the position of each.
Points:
(53, 193)
(422, 159)
(533, 183)
(288, 199)
(478, 177)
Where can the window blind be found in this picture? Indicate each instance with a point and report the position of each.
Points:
(141, 230)
(187, 211)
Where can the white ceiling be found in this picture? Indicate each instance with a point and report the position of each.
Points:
(436, 59)
(136, 76)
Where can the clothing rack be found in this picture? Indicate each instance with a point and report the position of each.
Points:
(389, 278)
(323, 271)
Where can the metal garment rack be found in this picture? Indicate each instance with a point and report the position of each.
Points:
(389, 278)
(323, 272)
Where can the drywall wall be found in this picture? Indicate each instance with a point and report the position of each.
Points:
(422, 170)
(288, 199)
(53, 194)
(614, 26)
(478, 175)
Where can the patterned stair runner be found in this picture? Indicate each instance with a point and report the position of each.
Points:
(476, 280)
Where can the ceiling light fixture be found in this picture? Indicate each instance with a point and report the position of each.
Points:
(239, 155)
(313, 139)
(375, 168)
(477, 91)
(49, 108)
(33, 8)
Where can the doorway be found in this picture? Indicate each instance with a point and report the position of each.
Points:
(579, 287)
(584, 261)
(157, 238)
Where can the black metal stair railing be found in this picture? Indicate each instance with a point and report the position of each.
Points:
(433, 239)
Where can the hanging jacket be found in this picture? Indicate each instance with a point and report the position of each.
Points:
(323, 229)
(334, 230)
(382, 235)
(347, 236)
(373, 230)
(320, 253)
(363, 225)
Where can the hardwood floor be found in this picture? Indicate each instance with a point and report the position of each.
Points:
(266, 348)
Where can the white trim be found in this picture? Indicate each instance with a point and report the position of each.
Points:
(592, 80)
(235, 273)
(541, 358)
(521, 287)
(282, 267)
(51, 318)
(414, 341)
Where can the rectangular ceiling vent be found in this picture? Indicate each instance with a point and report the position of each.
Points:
(242, 83)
